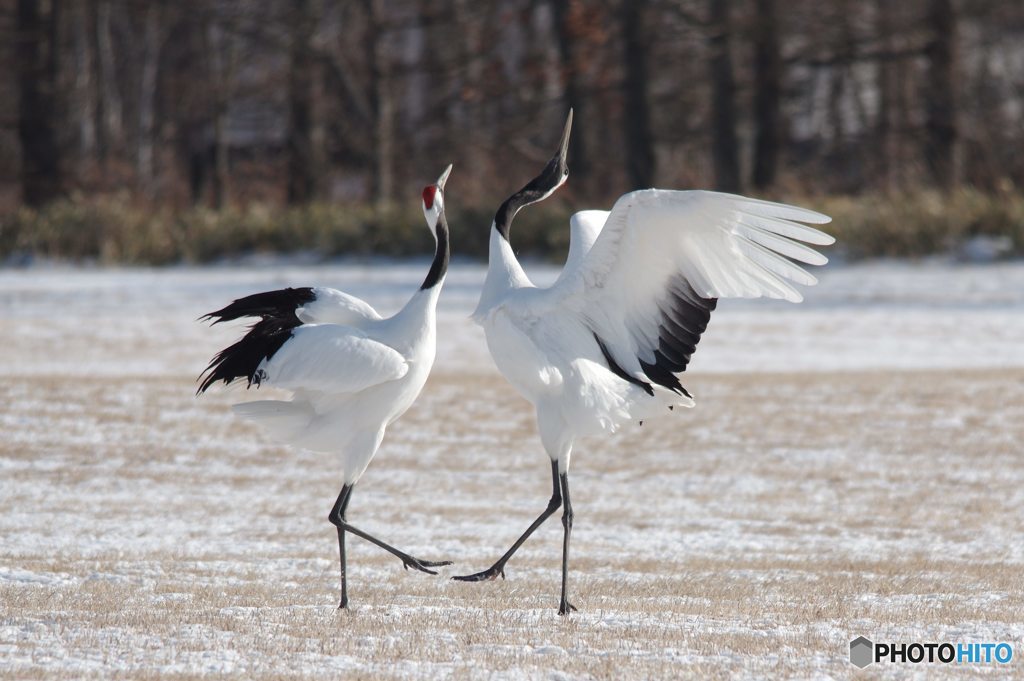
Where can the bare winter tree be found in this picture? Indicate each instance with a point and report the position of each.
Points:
(886, 80)
(83, 92)
(767, 93)
(382, 103)
(943, 137)
(303, 158)
(38, 45)
(152, 40)
(566, 14)
(224, 56)
(299, 100)
(725, 154)
(637, 118)
(108, 110)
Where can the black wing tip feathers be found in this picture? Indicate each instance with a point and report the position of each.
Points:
(661, 375)
(277, 320)
(616, 369)
(243, 358)
(684, 318)
(264, 305)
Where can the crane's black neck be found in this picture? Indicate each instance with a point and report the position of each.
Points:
(507, 211)
(538, 189)
(439, 267)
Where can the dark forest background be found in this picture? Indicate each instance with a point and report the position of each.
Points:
(157, 131)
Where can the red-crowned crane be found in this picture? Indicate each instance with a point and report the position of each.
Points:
(605, 344)
(351, 372)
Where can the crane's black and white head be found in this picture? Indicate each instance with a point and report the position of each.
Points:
(554, 175)
(433, 211)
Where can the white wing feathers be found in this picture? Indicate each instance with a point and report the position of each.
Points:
(647, 285)
(331, 306)
(726, 246)
(332, 359)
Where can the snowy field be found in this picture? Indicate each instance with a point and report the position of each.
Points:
(854, 466)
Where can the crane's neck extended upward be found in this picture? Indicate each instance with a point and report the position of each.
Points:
(419, 315)
(504, 274)
(442, 253)
(416, 322)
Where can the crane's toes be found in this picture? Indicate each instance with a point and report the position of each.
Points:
(478, 577)
(423, 565)
(435, 563)
(487, 575)
(565, 608)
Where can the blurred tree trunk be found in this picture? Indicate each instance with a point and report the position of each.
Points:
(145, 162)
(224, 63)
(724, 146)
(84, 89)
(303, 166)
(767, 94)
(423, 77)
(886, 84)
(640, 159)
(844, 54)
(109, 131)
(572, 89)
(382, 103)
(943, 138)
(464, 111)
(37, 61)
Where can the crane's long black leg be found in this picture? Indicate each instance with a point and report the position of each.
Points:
(499, 567)
(564, 607)
(337, 518)
(339, 512)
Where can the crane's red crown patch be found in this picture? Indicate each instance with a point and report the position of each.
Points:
(428, 196)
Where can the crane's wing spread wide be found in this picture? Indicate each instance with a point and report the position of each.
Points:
(648, 284)
(332, 359)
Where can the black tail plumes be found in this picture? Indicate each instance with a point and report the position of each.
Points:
(271, 304)
(276, 310)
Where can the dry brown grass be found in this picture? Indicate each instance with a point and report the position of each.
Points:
(124, 230)
(146, 535)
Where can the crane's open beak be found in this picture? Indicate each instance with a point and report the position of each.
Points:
(444, 177)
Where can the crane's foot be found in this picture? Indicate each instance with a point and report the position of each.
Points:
(565, 608)
(423, 565)
(490, 574)
(435, 563)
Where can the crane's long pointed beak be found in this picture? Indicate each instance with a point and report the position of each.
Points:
(563, 145)
(444, 177)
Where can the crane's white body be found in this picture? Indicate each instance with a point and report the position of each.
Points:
(623, 265)
(351, 372)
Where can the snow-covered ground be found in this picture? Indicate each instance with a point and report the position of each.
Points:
(853, 466)
(886, 315)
